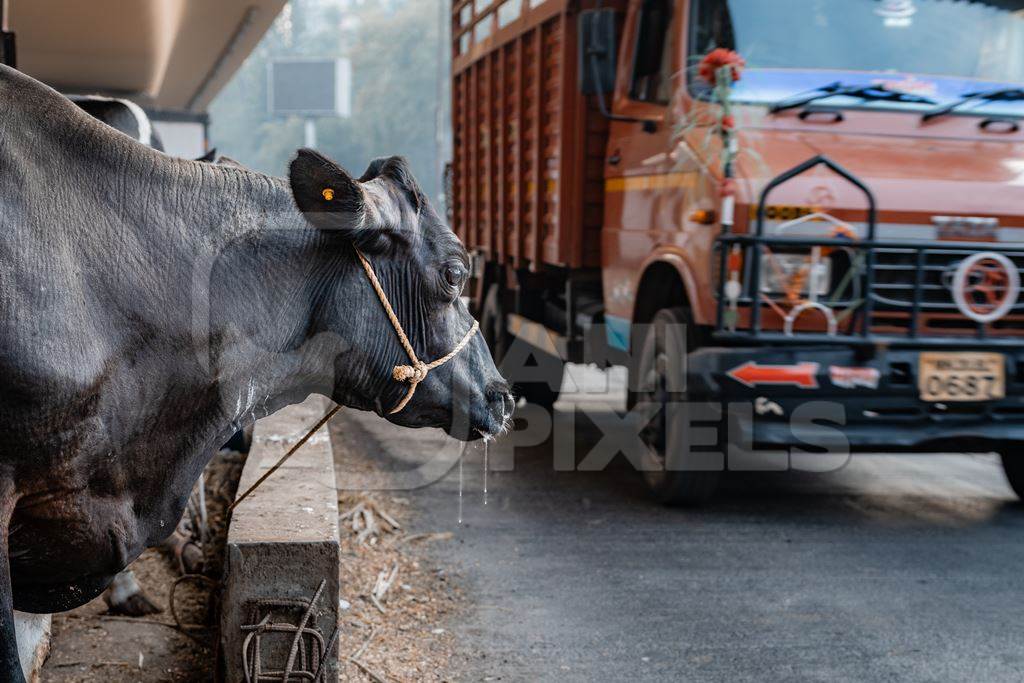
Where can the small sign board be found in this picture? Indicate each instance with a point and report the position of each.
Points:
(310, 87)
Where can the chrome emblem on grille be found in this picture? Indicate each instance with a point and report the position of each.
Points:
(985, 286)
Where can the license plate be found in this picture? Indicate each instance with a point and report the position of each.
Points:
(961, 376)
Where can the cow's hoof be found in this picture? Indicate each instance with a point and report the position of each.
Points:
(190, 558)
(187, 553)
(134, 605)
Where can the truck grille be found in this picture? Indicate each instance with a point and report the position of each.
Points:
(891, 293)
(902, 273)
(896, 278)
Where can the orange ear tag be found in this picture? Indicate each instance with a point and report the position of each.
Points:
(328, 194)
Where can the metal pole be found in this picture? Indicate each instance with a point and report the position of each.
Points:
(310, 130)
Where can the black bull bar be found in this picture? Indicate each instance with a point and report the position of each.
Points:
(894, 279)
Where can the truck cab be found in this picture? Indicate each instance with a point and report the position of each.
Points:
(855, 239)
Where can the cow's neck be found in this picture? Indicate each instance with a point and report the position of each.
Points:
(270, 273)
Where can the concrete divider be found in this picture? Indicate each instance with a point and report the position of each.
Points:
(282, 551)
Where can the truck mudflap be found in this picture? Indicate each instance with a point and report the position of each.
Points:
(800, 395)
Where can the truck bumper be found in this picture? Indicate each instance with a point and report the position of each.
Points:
(877, 399)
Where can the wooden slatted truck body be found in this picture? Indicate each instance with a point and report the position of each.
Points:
(869, 255)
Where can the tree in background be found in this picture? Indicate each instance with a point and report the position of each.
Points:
(398, 84)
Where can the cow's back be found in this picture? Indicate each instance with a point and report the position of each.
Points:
(87, 265)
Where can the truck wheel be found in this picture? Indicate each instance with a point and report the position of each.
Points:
(492, 324)
(1012, 456)
(659, 384)
(539, 393)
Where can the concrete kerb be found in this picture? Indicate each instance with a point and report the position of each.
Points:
(282, 545)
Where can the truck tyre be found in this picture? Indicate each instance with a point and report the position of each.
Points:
(659, 384)
(539, 393)
(492, 325)
(1012, 456)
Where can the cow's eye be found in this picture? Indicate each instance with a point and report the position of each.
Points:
(454, 275)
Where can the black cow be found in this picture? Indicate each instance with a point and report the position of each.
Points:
(150, 306)
(122, 115)
(125, 595)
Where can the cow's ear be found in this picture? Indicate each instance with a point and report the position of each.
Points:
(326, 194)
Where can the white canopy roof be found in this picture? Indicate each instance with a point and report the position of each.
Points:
(167, 54)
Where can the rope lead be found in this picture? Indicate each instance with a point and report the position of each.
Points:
(413, 374)
(417, 372)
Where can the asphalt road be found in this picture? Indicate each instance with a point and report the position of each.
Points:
(906, 568)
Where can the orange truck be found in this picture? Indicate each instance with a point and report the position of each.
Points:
(845, 227)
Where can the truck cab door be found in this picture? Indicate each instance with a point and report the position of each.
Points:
(645, 194)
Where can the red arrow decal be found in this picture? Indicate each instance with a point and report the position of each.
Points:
(803, 375)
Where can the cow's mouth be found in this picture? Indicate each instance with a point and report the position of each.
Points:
(484, 420)
(496, 417)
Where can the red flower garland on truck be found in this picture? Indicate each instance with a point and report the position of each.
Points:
(717, 59)
(720, 68)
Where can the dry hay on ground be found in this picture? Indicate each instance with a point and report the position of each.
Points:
(398, 600)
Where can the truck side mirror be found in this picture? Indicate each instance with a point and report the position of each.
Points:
(597, 51)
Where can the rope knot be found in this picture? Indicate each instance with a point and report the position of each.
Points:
(410, 373)
(417, 372)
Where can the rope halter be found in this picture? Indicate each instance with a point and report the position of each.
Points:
(417, 371)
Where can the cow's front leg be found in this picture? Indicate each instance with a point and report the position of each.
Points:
(10, 664)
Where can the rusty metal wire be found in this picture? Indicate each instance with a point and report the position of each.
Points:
(173, 605)
(309, 651)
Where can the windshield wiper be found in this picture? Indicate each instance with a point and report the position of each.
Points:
(1000, 94)
(864, 92)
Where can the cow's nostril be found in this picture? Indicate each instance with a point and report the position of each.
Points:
(496, 390)
(501, 404)
(502, 407)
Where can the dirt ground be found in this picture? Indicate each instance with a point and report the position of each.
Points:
(404, 635)
(90, 644)
(396, 600)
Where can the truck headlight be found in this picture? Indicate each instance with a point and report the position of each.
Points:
(795, 274)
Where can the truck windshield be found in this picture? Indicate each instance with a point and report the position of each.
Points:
(937, 49)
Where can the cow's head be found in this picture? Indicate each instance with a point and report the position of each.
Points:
(422, 267)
